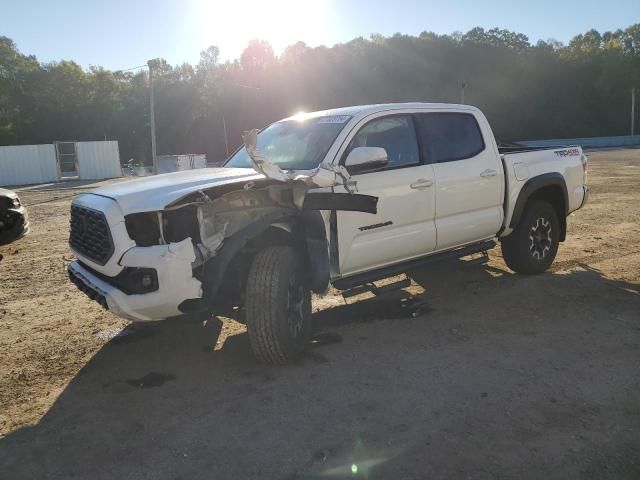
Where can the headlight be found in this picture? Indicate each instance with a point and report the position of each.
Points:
(16, 202)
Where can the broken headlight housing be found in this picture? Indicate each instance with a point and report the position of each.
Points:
(143, 228)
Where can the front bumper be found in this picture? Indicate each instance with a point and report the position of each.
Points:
(176, 283)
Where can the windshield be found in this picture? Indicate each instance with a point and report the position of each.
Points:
(294, 144)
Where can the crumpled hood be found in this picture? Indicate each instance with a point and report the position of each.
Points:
(154, 193)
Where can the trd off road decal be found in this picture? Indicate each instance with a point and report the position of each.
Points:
(377, 225)
(568, 152)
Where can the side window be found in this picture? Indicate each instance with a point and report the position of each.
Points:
(395, 134)
(447, 137)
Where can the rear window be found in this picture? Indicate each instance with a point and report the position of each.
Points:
(447, 137)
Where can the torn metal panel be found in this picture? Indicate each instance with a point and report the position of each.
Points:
(226, 215)
(259, 161)
(173, 264)
(211, 233)
(324, 175)
(348, 202)
(208, 218)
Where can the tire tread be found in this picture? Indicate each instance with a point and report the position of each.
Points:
(267, 279)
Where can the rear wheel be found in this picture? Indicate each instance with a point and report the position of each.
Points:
(533, 245)
(278, 306)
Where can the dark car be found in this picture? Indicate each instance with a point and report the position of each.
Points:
(13, 217)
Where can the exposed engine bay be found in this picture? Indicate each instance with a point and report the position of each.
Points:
(200, 243)
(208, 217)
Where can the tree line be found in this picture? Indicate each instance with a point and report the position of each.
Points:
(546, 90)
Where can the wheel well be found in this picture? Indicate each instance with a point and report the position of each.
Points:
(553, 195)
(233, 287)
(225, 274)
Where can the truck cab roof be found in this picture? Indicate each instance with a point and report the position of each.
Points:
(360, 111)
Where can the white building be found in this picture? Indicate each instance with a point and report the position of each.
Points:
(31, 164)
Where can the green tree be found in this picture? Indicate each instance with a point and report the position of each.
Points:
(546, 90)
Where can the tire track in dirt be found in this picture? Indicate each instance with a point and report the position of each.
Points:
(590, 260)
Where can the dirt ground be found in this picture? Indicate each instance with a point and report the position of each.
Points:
(500, 376)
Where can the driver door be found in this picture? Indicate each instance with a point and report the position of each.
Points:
(404, 226)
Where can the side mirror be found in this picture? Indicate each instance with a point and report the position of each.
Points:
(364, 158)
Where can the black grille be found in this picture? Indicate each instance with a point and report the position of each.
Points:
(90, 235)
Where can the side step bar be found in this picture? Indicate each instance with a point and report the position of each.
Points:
(373, 288)
(393, 270)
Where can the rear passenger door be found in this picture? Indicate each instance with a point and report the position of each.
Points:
(469, 177)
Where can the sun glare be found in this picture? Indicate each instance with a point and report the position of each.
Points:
(231, 24)
(299, 116)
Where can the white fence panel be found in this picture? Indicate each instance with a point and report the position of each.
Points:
(27, 164)
(178, 163)
(97, 160)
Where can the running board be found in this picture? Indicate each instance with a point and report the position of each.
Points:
(393, 270)
(377, 291)
(390, 287)
(483, 260)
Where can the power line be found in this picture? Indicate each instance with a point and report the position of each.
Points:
(132, 68)
(248, 86)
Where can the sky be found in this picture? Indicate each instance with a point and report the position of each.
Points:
(121, 34)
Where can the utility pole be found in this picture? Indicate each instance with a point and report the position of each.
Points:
(633, 110)
(464, 84)
(224, 121)
(152, 114)
(226, 142)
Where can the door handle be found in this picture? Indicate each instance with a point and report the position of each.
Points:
(421, 183)
(488, 173)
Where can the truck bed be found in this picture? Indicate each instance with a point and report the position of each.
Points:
(524, 163)
(521, 149)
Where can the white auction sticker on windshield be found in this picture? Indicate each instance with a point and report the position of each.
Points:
(334, 119)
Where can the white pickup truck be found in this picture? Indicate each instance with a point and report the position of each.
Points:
(344, 197)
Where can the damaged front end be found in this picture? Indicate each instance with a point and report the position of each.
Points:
(193, 254)
(153, 281)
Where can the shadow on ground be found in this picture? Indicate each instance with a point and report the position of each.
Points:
(500, 375)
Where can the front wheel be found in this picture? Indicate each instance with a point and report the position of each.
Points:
(533, 245)
(278, 306)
